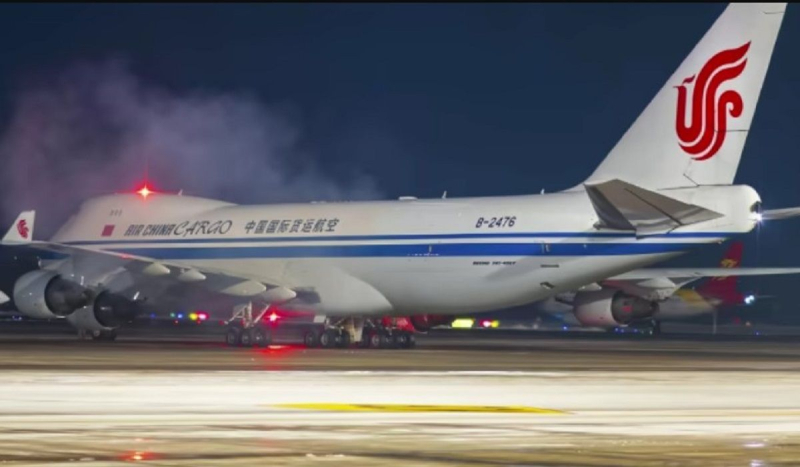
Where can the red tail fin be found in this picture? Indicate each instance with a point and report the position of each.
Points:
(725, 287)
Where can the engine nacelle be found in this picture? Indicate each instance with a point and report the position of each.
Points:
(609, 307)
(424, 323)
(46, 295)
(108, 311)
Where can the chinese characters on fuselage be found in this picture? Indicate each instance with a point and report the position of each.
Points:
(283, 226)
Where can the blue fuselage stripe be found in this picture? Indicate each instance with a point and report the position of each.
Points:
(361, 238)
(408, 250)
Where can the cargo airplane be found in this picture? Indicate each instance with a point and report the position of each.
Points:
(665, 189)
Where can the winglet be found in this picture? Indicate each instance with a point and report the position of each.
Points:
(3, 298)
(21, 230)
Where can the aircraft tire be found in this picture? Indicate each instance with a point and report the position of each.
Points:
(328, 339)
(406, 340)
(344, 340)
(261, 337)
(656, 328)
(387, 341)
(104, 336)
(401, 339)
(233, 336)
(247, 338)
(373, 340)
(412, 340)
(310, 339)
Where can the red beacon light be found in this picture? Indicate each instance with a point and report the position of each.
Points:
(273, 317)
(144, 192)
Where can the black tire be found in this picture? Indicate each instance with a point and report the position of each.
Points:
(656, 328)
(328, 338)
(247, 338)
(401, 339)
(104, 336)
(261, 337)
(412, 340)
(364, 342)
(406, 340)
(375, 340)
(344, 340)
(310, 339)
(387, 341)
(233, 336)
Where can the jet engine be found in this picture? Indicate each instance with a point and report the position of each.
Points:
(609, 307)
(108, 311)
(424, 323)
(45, 295)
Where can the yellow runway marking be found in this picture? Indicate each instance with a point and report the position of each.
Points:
(422, 408)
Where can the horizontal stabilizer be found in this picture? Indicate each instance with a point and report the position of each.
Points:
(777, 214)
(623, 206)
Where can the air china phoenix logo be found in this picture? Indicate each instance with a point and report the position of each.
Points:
(704, 135)
(22, 228)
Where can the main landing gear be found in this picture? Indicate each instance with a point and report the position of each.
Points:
(247, 329)
(98, 336)
(363, 333)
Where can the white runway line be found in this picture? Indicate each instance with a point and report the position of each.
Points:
(633, 403)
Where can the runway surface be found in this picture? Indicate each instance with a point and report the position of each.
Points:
(458, 399)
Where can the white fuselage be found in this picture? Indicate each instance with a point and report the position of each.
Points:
(401, 257)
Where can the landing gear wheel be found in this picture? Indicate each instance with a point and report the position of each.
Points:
(310, 339)
(412, 341)
(261, 338)
(387, 341)
(656, 328)
(107, 336)
(374, 340)
(344, 340)
(406, 340)
(401, 339)
(247, 338)
(233, 337)
(328, 338)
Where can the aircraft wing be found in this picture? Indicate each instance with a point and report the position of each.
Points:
(102, 265)
(697, 273)
(224, 283)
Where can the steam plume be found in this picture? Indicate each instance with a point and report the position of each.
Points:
(96, 128)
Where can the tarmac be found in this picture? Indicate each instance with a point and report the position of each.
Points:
(459, 398)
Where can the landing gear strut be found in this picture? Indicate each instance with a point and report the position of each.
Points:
(247, 329)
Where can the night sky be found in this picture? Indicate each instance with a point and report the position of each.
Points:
(417, 99)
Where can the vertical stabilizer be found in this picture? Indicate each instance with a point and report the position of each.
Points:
(21, 230)
(725, 287)
(694, 130)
